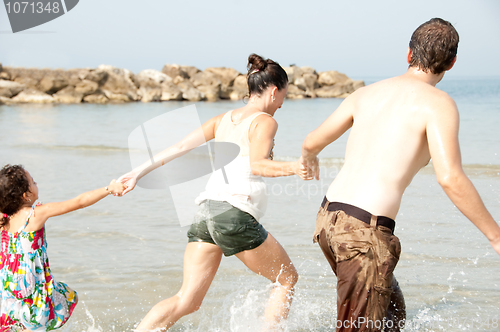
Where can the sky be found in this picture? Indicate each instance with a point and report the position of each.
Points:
(359, 38)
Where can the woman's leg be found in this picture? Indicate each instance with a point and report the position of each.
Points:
(201, 261)
(271, 261)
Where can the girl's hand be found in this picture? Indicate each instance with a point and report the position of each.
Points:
(116, 188)
(129, 180)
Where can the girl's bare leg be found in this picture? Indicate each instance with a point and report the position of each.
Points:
(201, 261)
(271, 261)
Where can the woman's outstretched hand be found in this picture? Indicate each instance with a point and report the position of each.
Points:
(129, 180)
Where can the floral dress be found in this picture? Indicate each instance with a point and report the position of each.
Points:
(30, 297)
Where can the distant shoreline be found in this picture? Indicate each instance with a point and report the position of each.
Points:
(108, 84)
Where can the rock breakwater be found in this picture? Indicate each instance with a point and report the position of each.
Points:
(108, 84)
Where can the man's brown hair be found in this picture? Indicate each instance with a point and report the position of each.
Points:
(433, 46)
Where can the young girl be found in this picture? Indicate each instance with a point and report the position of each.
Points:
(30, 298)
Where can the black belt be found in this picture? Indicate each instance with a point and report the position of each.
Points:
(360, 214)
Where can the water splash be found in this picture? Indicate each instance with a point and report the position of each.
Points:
(92, 328)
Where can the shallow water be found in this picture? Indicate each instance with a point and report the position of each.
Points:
(123, 255)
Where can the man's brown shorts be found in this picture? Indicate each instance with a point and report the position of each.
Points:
(362, 256)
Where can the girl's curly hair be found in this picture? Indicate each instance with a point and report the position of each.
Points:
(13, 184)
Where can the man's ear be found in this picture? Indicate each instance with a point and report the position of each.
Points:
(408, 55)
(452, 63)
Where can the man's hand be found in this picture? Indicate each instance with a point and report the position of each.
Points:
(310, 168)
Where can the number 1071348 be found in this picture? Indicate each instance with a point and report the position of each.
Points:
(25, 7)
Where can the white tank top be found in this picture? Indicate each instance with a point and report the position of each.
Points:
(244, 190)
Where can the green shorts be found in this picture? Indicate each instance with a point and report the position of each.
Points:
(228, 227)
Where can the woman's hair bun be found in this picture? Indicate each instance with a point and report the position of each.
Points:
(256, 62)
(263, 73)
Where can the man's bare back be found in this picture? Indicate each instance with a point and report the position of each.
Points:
(397, 126)
(387, 144)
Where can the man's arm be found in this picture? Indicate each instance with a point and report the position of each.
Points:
(331, 129)
(442, 135)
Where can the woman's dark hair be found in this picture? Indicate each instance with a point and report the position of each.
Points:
(13, 184)
(264, 73)
(433, 46)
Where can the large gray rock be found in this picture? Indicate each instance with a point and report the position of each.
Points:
(9, 89)
(33, 96)
(206, 79)
(75, 76)
(150, 82)
(295, 92)
(86, 87)
(332, 77)
(307, 82)
(170, 91)
(189, 92)
(241, 83)
(193, 94)
(96, 98)
(5, 76)
(149, 94)
(212, 93)
(27, 81)
(335, 91)
(151, 78)
(119, 97)
(357, 84)
(190, 70)
(226, 76)
(293, 73)
(68, 95)
(6, 101)
(120, 82)
(308, 70)
(208, 83)
(98, 76)
(239, 89)
(52, 83)
(174, 70)
(53, 79)
(27, 76)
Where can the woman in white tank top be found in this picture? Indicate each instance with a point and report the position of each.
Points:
(227, 223)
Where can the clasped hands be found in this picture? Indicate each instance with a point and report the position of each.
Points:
(308, 168)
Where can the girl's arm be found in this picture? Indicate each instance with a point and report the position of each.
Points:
(201, 135)
(261, 141)
(45, 211)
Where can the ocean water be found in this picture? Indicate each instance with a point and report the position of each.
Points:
(123, 255)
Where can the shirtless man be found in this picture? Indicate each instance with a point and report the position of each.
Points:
(397, 126)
